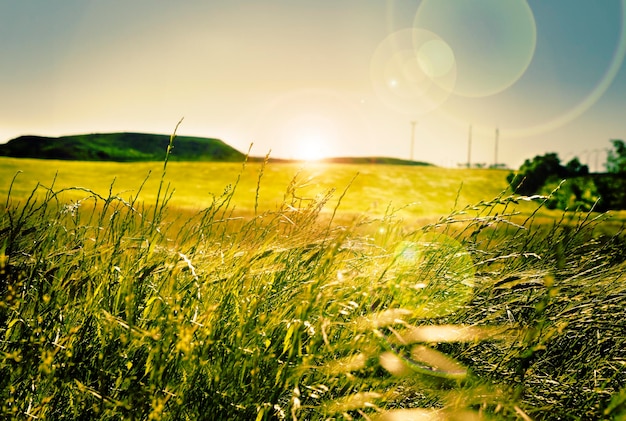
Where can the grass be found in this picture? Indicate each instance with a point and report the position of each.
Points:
(114, 306)
(415, 192)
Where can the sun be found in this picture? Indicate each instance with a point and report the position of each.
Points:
(310, 146)
(311, 137)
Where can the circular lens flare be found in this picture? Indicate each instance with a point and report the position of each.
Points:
(555, 112)
(493, 41)
(593, 96)
(413, 71)
(432, 274)
(436, 58)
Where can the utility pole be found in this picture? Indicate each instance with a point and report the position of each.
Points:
(597, 151)
(413, 123)
(495, 157)
(469, 148)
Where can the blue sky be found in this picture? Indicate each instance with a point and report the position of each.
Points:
(310, 78)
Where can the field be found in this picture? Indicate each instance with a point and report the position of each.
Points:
(284, 291)
(421, 191)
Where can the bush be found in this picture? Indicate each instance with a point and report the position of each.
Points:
(616, 159)
(571, 186)
(575, 194)
(612, 190)
(532, 175)
(600, 192)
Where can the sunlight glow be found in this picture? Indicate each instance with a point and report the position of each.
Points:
(309, 136)
(310, 146)
(311, 124)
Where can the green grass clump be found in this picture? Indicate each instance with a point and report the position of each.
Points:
(114, 309)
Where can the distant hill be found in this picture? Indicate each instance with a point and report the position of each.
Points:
(121, 147)
(349, 160)
(375, 160)
(132, 147)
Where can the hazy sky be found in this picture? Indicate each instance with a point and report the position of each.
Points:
(323, 77)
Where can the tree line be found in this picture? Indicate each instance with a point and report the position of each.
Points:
(572, 186)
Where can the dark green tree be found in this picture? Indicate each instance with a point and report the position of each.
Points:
(612, 186)
(616, 159)
(532, 175)
(582, 191)
(575, 169)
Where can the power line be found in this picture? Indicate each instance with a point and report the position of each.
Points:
(413, 123)
(469, 148)
(495, 157)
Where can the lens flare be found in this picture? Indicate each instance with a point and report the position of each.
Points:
(413, 71)
(431, 275)
(593, 96)
(493, 41)
(494, 44)
(435, 58)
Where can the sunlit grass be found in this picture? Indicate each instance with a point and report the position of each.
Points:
(416, 191)
(114, 308)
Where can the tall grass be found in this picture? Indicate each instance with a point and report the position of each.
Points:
(432, 190)
(112, 308)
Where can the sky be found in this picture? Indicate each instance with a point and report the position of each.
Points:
(313, 78)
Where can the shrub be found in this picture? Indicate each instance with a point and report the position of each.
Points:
(616, 159)
(576, 194)
(534, 174)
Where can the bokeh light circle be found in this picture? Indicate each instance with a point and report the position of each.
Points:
(435, 58)
(432, 275)
(493, 41)
(413, 71)
(596, 93)
(556, 113)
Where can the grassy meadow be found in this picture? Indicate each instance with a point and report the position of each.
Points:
(302, 292)
(419, 191)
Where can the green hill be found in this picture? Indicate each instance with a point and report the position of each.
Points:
(375, 160)
(121, 147)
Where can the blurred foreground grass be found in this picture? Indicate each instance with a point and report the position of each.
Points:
(120, 306)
